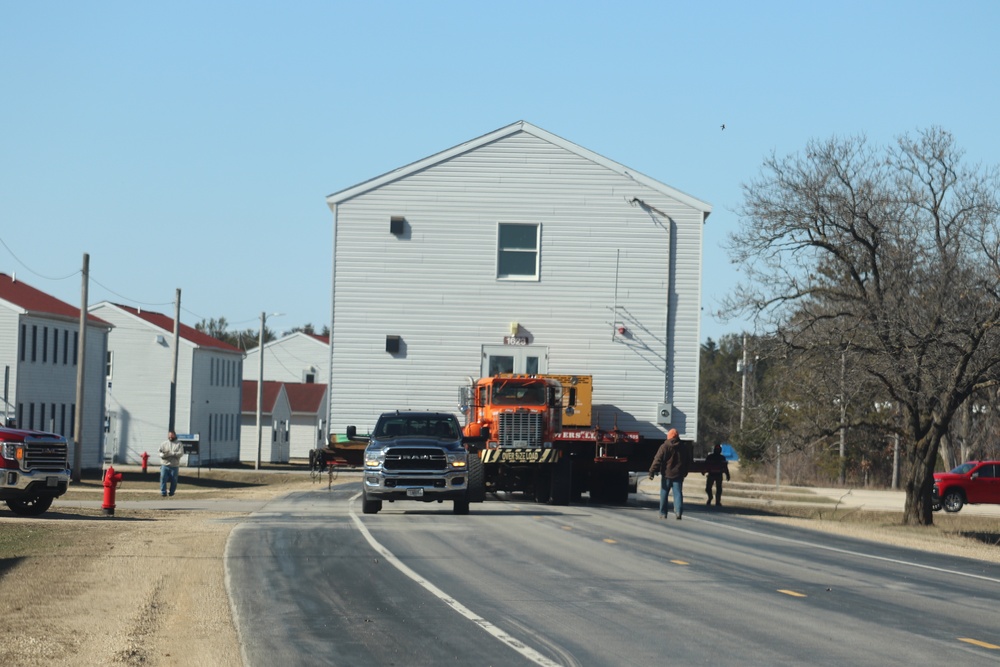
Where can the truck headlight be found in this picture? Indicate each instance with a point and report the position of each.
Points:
(458, 460)
(374, 458)
(8, 450)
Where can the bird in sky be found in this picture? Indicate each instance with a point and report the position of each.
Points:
(723, 126)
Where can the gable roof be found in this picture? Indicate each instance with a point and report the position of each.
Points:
(509, 130)
(305, 397)
(166, 323)
(277, 342)
(31, 301)
(269, 396)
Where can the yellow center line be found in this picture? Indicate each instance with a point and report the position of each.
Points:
(794, 594)
(567, 527)
(610, 541)
(978, 643)
(680, 562)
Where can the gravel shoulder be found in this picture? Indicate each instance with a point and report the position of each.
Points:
(147, 586)
(144, 587)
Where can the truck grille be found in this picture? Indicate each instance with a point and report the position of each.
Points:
(406, 459)
(520, 429)
(44, 455)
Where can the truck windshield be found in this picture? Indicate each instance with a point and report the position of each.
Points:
(519, 393)
(430, 427)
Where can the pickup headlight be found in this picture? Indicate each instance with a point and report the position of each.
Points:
(9, 450)
(374, 458)
(458, 460)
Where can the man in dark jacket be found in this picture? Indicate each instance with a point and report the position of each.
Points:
(717, 466)
(672, 461)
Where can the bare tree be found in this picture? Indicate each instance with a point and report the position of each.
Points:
(894, 253)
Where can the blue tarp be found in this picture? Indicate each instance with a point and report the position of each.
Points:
(730, 453)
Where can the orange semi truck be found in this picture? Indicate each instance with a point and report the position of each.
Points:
(537, 435)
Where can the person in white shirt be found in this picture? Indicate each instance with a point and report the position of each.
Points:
(171, 452)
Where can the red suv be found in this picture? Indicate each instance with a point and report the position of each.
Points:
(974, 483)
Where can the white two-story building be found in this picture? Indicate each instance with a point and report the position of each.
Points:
(517, 251)
(39, 355)
(139, 370)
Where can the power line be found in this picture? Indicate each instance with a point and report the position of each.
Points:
(31, 270)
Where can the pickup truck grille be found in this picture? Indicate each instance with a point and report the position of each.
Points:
(51, 455)
(519, 429)
(403, 459)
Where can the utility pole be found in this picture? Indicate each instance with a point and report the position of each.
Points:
(173, 373)
(260, 387)
(743, 394)
(81, 357)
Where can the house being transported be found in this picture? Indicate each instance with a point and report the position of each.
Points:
(522, 252)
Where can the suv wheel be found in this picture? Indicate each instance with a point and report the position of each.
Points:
(952, 500)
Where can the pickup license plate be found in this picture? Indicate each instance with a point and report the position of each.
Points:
(414, 493)
(51, 481)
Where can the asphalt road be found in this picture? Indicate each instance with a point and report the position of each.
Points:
(315, 582)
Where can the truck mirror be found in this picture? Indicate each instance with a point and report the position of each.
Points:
(352, 432)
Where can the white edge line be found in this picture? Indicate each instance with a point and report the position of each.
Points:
(229, 593)
(856, 553)
(526, 651)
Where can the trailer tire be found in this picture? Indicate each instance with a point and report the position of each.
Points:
(562, 482)
(617, 487)
(477, 483)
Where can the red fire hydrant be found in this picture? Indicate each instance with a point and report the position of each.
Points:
(111, 481)
(145, 460)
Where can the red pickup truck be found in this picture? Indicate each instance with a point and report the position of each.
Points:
(972, 483)
(34, 469)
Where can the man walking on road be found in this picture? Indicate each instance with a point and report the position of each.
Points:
(717, 467)
(672, 461)
(171, 452)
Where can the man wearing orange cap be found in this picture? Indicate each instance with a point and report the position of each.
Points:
(672, 461)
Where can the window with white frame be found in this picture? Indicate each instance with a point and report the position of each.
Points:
(518, 250)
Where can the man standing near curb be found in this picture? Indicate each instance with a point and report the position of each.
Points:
(171, 452)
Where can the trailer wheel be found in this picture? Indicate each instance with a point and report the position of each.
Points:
(31, 507)
(562, 482)
(617, 487)
(477, 484)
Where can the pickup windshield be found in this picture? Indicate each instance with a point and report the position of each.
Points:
(428, 427)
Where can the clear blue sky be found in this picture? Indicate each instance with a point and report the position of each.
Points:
(191, 144)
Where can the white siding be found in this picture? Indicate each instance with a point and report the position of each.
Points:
(216, 383)
(436, 287)
(288, 359)
(274, 433)
(304, 435)
(138, 394)
(10, 333)
(44, 384)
